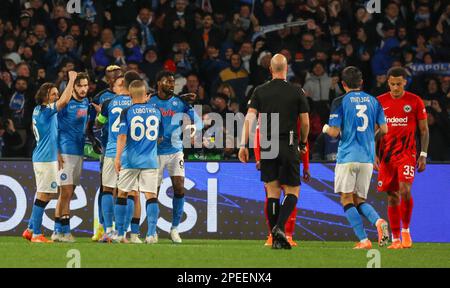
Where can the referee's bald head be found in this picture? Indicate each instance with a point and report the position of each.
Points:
(278, 63)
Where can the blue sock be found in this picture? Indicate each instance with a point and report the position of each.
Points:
(178, 209)
(99, 205)
(369, 212)
(355, 221)
(36, 215)
(58, 227)
(108, 210)
(120, 211)
(30, 223)
(135, 225)
(130, 212)
(65, 225)
(152, 215)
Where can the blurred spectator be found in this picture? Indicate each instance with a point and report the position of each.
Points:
(380, 86)
(193, 86)
(318, 86)
(9, 138)
(236, 76)
(151, 64)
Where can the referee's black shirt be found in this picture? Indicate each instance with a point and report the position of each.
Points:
(279, 96)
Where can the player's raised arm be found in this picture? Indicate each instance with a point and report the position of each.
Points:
(67, 94)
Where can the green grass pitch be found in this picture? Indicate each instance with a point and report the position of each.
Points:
(17, 252)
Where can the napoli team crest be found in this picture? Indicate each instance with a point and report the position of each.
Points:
(407, 108)
(174, 103)
(53, 185)
(63, 176)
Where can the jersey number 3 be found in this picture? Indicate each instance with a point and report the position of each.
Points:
(151, 125)
(361, 109)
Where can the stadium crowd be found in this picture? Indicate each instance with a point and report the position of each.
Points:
(215, 50)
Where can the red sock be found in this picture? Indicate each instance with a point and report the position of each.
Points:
(406, 207)
(290, 223)
(394, 214)
(266, 214)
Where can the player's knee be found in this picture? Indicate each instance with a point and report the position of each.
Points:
(405, 192)
(178, 190)
(393, 199)
(346, 198)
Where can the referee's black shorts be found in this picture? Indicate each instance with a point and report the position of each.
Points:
(285, 168)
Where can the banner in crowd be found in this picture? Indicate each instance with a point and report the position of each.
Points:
(226, 201)
(435, 68)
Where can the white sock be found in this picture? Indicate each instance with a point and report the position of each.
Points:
(364, 240)
(109, 230)
(405, 230)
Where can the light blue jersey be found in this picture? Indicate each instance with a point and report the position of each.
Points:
(142, 125)
(168, 108)
(111, 110)
(356, 114)
(72, 127)
(45, 129)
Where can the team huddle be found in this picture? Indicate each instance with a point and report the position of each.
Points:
(138, 139)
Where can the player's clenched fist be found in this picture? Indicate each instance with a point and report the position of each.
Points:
(72, 75)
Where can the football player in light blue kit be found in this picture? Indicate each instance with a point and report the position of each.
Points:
(170, 150)
(71, 138)
(110, 116)
(357, 115)
(45, 155)
(112, 72)
(137, 159)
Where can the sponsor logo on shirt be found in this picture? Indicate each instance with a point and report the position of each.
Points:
(168, 112)
(397, 121)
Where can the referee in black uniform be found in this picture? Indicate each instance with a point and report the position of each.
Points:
(283, 171)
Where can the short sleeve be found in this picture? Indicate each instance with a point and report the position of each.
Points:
(336, 114)
(303, 106)
(255, 101)
(381, 118)
(123, 125)
(421, 111)
(51, 109)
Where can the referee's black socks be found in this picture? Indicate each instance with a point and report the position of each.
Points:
(287, 206)
(273, 209)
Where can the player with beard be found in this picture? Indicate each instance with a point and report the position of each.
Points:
(71, 137)
(170, 150)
